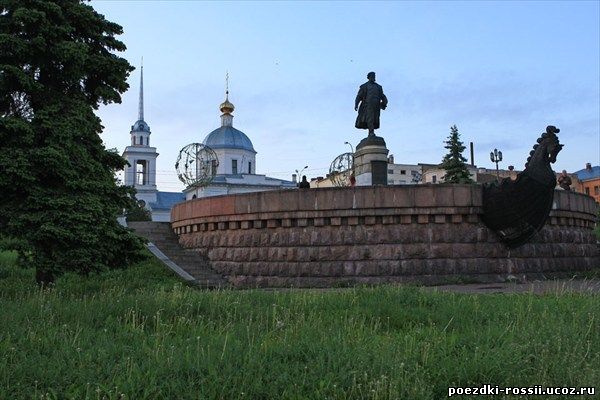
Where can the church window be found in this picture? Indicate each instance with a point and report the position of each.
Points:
(249, 167)
(213, 171)
(141, 140)
(434, 179)
(141, 172)
(234, 169)
(148, 141)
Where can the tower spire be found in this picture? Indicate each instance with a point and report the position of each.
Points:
(141, 106)
(226, 107)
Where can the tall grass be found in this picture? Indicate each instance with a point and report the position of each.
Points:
(140, 334)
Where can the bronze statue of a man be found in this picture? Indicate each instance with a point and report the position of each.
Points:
(371, 98)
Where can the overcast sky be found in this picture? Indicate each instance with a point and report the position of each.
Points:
(500, 71)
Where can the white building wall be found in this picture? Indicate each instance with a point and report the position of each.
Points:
(436, 175)
(225, 157)
(403, 174)
(133, 154)
(246, 184)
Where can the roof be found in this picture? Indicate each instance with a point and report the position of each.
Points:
(166, 200)
(227, 137)
(225, 178)
(586, 174)
(140, 126)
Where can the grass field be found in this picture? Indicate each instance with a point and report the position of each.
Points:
(140, 334)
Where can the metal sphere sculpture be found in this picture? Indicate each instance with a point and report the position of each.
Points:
(341, 169)
(196, 165)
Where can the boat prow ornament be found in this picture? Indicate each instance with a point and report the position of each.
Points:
(517, 209)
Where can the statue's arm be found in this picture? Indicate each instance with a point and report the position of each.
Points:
(384, 100)
(359, 96)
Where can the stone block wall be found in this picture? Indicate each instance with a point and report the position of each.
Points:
(343, 236)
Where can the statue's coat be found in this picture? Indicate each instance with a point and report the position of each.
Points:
(372, 100)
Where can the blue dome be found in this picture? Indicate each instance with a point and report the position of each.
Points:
(140, 126)
(227, 137)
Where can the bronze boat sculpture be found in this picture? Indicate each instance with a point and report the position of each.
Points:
(517, 209)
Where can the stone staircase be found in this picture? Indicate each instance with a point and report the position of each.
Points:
(188, 264)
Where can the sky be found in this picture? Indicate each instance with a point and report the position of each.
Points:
(500, 71)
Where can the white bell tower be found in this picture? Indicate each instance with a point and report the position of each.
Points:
(141, 171)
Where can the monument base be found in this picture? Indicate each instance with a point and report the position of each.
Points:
(371, 141)
(371, 162)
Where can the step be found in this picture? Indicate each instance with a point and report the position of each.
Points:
(195, 264)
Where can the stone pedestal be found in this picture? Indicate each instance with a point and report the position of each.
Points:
(371, 162)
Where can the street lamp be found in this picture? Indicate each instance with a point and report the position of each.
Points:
(496, 156)
(351, 148)
(299, 173)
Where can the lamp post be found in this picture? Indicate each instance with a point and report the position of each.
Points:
(496, 156)
(351, 178)
(351, 148)
(299, 173)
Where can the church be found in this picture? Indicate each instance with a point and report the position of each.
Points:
(236, 171)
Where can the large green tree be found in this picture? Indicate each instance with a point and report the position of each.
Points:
(454, 162)
(58, 191)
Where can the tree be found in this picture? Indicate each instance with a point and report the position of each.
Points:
(137, 213)
(454, 162)
(59, 193)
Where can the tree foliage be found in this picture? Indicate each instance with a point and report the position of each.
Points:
(454, 162)
(59, 194)
(137, 212)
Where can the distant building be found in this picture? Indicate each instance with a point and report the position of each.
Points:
(403, 174)
(398, 174)
(321, 182)
(589, 181)
(434, 173)
(141, 171)
(485, 175)
(236, 172)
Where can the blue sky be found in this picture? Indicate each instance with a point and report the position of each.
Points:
(500, 71)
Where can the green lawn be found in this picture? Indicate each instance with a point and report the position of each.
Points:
(140, 334)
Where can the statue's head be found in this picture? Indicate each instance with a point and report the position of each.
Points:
(371, 76)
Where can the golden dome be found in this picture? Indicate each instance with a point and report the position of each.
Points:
(226, 106)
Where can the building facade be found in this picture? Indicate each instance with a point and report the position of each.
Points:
(397, 174)
(434, 173)
(589, 181)
(403, 174)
